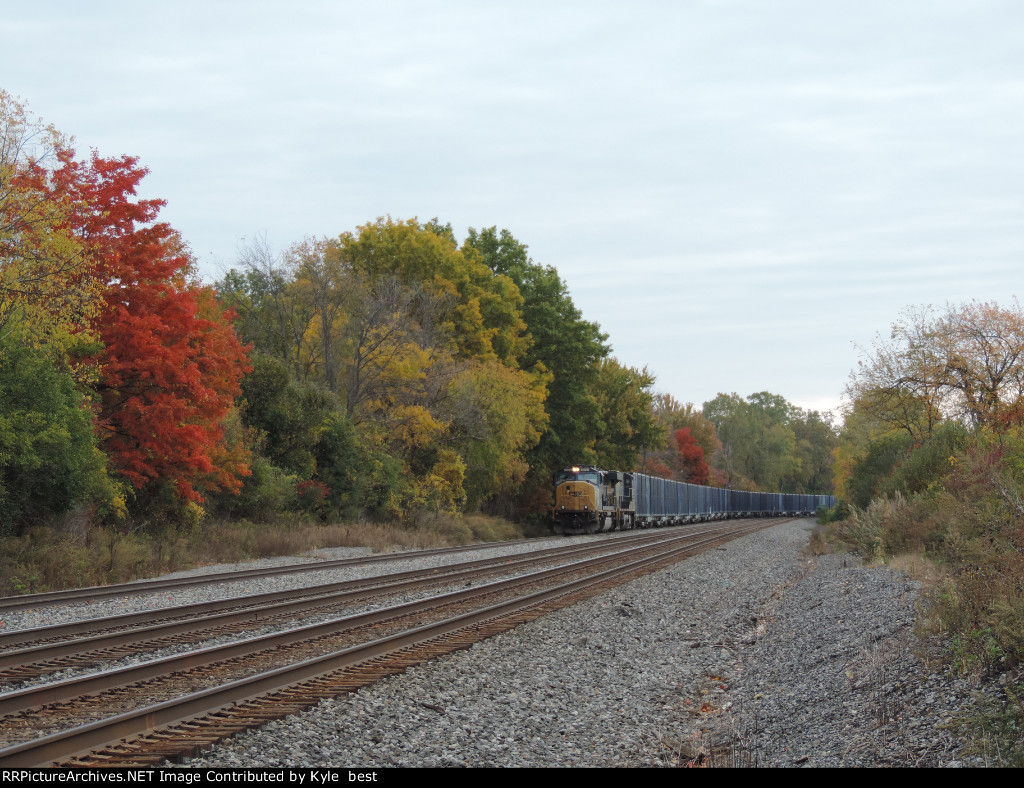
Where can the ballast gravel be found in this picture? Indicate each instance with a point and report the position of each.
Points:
(49, 615)
(749, 654)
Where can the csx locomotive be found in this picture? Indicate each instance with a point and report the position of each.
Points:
(588, 500)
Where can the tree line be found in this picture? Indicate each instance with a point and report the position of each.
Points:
(944, 378)
(399, 370)
(393, 371)
(118, 367)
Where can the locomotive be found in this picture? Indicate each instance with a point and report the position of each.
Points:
(589, 500)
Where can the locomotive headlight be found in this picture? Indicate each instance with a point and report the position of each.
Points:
(575, 469)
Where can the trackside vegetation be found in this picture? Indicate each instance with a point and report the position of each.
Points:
(931, 463)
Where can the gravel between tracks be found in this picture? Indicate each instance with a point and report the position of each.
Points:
(785, 659)
(48, 615)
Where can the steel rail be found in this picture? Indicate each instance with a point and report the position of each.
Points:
(261, 610)
(152, 617)
(60, 746)
(73, 595)
(55, 692)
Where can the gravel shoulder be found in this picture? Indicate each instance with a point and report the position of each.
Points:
(753, 653)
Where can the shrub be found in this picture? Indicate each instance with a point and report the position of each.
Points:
(49, 461)
(872, 474)
(865, 529)
(929, 463)
(838, 512)
(312, 497)
(266, 495)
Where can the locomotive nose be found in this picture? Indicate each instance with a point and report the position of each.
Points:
(575, 507)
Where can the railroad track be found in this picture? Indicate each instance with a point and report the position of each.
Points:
(205, 695)
(33, 653)
(137, 587)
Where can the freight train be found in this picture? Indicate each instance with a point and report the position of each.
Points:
(588, 500)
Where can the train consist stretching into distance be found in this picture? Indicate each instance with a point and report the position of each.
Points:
(588, 500)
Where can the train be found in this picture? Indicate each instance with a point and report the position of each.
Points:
(590, 500)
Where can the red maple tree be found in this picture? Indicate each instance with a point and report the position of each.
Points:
(171, 364)
(692, 467)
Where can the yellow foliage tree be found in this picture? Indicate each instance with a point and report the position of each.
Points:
(495, 415)
(963, 362)
(45, 283)
(481, 315)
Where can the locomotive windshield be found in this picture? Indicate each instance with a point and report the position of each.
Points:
(577, 476)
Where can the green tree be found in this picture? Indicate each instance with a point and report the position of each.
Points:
(483, 319)
(560, 345)
(287, 415)
(873, 472)
(816, 440)
(49, 460)
(627, 425)
(495, 414)
(758, 441)
(272, 314)
(359, 477)
(736, 429)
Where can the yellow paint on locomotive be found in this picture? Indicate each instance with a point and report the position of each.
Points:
(576, 497)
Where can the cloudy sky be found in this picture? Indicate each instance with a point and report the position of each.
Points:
(739, 191)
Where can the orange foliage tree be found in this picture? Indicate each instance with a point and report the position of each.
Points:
(692, 467)
(170, 364)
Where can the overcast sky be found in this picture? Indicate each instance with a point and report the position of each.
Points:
(738, 191)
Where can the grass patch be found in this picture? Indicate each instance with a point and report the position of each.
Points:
(997, 730)
(50, 559)
(818, 543)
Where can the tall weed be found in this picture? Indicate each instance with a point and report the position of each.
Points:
(47, 559)
(865, 529)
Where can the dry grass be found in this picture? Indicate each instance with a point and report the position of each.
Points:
(818, 544)
(49, 559)
(920, 568)
(706, 750)
(996, 729)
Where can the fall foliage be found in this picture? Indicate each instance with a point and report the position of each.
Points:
(940, 374)
(930, 461)
(170, 364)
(692, 468)
(419, 342)
(45, 281)
(90, 278)
(963, 362)
(389, 370)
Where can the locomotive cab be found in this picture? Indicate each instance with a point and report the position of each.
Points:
(588, 500)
